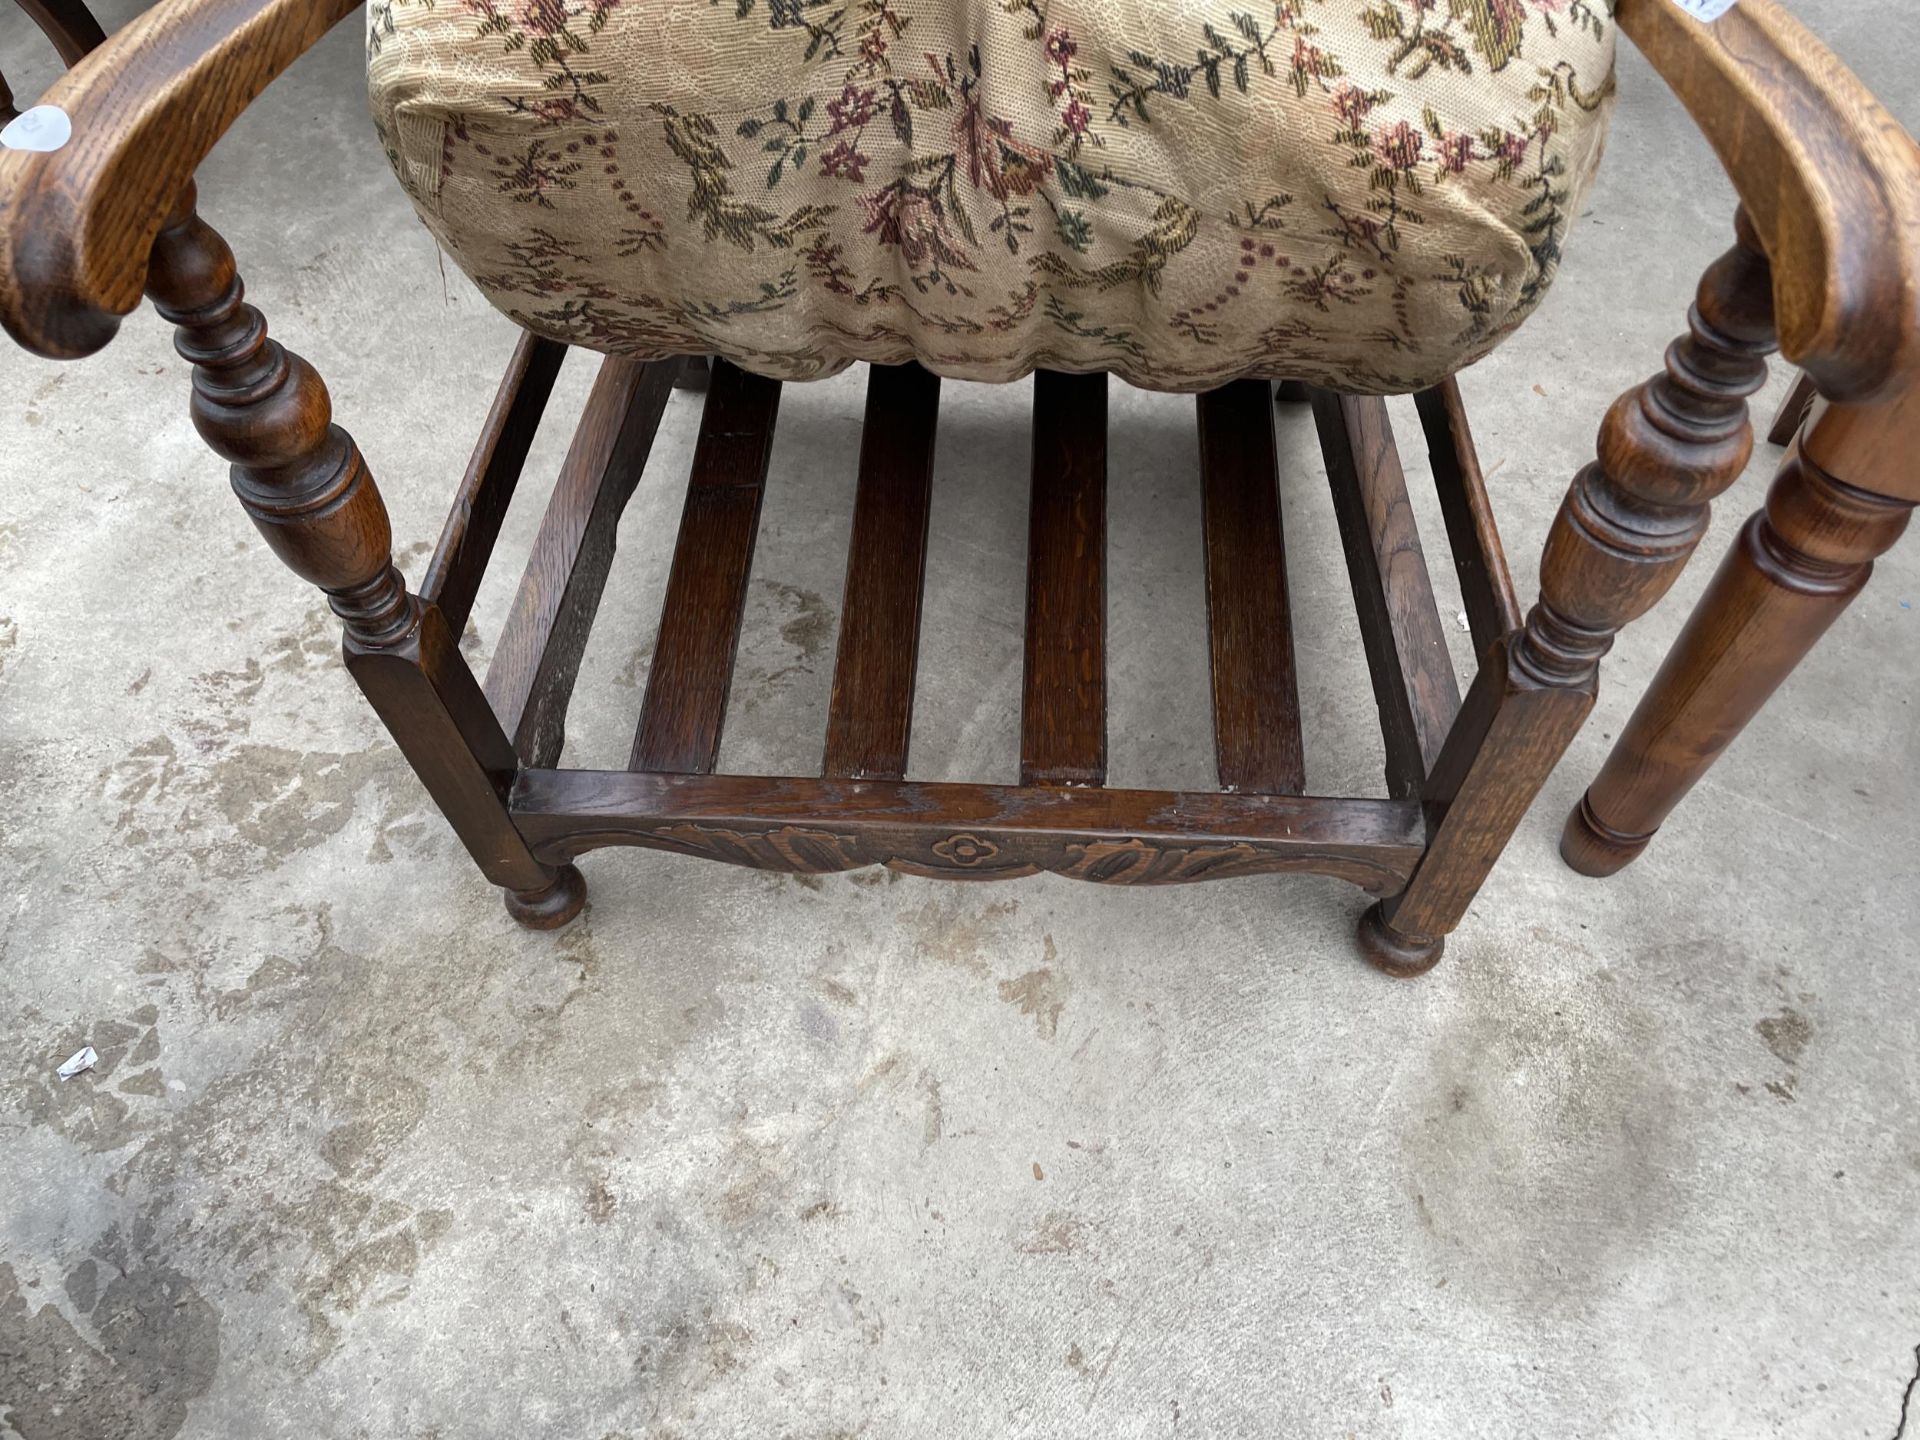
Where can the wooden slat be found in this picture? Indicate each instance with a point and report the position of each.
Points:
(1486, 586)
(692, 668)
(1256, 695)
(538, 657)
(970, 832)
(1413, 679)
(466, 545)
(1793, 409)
(1063, 700)
(871, 717)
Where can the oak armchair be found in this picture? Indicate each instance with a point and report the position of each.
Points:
(1823, 264)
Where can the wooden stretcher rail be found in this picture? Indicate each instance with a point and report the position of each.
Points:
(969, 832)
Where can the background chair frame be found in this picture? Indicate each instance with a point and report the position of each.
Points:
(1823, 260)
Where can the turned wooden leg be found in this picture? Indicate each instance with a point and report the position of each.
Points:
(1796, 565)
(303, 482)
(1623, 534)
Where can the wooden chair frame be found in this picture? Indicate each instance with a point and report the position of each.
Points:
(1824, 254)
(69, 25)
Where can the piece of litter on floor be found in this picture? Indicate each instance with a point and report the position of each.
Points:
(1464, 623)
(1906, 604)
(82, 1059)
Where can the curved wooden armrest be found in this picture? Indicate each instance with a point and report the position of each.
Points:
(78, 224)
(1828, 177)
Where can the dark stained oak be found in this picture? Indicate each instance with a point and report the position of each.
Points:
(1829, 180)
(1486, 586)
(1256, 691)
(969, 832)
(480, 506)
(1413, 680)
(68, 24)
(538, 658)
(1795, 567)
(692, 669)
(146, 105)
(870, 718)
(1063, 693)
(1793, 409)
(1623, 533)
(1827, 254)
(304, 484)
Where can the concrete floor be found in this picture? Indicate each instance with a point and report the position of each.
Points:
(872, 1156)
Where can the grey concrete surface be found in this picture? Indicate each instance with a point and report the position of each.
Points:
(740, 1156)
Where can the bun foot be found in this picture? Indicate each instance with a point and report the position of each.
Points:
(1401, 956)
(552, 907)
(1592, 847)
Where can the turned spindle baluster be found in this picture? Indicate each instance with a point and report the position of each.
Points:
(1798, 563)
(304, 484)
(1626, 529)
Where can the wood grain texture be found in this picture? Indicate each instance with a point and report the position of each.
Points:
(1256, 690)
(1513, 729)
(534, 666)
(304, 484)
(1667, 448)
(1621, 536)
(1872, 445)
(969, 832)
(1831, 182)
(1793, 409)
(146, 106)
(1796, 566)
(870, 718)
(493, 474)
(692, 669)
(1413, 681)
(1486, 585)
(1063, 692)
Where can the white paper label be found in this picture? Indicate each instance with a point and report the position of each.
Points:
(44, 127)
(1707, 10)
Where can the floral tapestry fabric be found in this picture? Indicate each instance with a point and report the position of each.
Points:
(1365, 194)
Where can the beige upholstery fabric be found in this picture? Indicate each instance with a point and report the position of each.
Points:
(1368, 194)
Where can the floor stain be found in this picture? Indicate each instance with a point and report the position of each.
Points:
(1058, 1232)
(1529, 1091)
(158, 1351)
(1039, 994)
(934, 1123)
(1787, 1034)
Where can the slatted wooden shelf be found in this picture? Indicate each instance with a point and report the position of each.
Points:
(1062, 817)
(871, 718)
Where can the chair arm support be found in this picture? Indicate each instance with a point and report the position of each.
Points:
(68, 24)
(77, 225)
(1828, 177)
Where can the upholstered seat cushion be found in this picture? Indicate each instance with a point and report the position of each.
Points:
(1368, 194)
